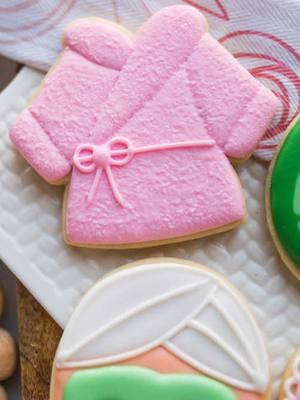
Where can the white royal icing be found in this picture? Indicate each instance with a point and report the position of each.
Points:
(291, 383)
(191, 311)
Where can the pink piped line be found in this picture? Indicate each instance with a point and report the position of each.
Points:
(106, 161)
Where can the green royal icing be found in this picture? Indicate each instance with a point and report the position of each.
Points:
(285, 195)
(134, 383)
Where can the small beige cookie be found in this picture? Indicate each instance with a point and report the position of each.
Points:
(8, 355)
(290, 385)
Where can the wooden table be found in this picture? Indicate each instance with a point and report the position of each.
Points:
(39, 337)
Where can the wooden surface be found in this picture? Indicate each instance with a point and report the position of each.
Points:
(39, 337)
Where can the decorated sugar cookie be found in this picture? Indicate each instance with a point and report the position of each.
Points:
(290, 387)
(283, 199)
(143, 129)
(161, 329)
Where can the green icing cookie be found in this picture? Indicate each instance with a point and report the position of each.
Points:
(284, 198)
(134, 383)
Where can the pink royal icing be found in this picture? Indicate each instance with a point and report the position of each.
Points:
(175, 84)
(89, 157)
(66, 108)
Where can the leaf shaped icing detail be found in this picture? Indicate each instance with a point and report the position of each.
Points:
(246, 365)
(134, 383)
(188, 292)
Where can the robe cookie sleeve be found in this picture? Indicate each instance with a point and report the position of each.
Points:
(236, 107)
(66, 107)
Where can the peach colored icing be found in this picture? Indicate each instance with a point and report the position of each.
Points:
(178, 84)
(158, 359)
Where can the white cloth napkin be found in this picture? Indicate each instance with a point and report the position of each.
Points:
(263, 34)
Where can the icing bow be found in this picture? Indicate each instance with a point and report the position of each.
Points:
(292, 385)
(118, 152)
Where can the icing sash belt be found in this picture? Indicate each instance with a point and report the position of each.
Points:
(118, 152)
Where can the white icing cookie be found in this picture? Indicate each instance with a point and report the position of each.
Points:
(167, 315)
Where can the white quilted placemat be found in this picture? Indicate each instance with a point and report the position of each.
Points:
(31, 244)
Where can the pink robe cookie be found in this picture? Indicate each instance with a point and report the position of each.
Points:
(147, 132)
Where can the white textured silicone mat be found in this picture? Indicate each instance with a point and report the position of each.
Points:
(31, 243)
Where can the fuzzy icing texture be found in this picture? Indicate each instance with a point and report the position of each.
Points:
(66, 109)
(177, 85)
